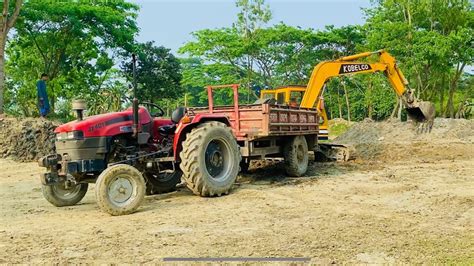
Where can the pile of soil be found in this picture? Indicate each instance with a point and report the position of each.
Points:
(339, 121)
(394, 140)
(26, 139)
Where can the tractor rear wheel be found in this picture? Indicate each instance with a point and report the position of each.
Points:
(162, 183)
(295, 153)
(60, 196)
(210, 159)
(120, 189)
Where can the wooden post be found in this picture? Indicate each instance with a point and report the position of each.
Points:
(235, 88)
(210, 99)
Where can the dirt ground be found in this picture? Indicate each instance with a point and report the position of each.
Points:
(400, 201)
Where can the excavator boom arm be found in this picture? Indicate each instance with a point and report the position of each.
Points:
(347, 66)
(417, 110)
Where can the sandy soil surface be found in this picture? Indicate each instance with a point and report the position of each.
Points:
(398, 205)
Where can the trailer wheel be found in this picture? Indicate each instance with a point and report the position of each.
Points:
(120, 189)
(59, 196)
(210, 159)
(162, 183)
(295, 153)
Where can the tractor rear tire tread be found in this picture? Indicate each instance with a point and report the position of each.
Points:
(194, 173)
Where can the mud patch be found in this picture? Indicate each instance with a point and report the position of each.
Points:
(26, 139)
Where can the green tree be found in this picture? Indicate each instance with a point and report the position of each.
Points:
(158, 73)
(110, 94)
(197, 75)
(252, 16)
(235, 46)
(74, 42)
(279, 54)
(433, 41)
(9, 17)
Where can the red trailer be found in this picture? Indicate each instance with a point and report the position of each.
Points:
(261, 130)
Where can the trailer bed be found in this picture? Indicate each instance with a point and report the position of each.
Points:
(255, 121)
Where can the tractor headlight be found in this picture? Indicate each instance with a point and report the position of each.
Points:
(73, 135)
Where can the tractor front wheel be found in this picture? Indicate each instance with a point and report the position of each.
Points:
(60, 196)
(120, 189)
(210, 159)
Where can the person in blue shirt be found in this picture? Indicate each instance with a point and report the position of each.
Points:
(43, 102)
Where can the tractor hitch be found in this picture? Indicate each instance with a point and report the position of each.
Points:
(49, 160)
(50, 178)
(53, 163)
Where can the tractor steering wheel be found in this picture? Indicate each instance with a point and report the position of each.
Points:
(160, 112)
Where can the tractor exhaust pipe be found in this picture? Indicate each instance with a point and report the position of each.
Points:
(79, 106)
(135, 100)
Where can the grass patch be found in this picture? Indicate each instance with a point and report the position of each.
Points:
(337, 128)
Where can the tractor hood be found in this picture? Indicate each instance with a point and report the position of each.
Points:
(109, 124)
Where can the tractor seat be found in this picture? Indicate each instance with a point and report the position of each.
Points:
(175, 118)
(177, 114)
(167, 129)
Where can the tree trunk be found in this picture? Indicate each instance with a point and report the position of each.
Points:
(7, 21)
(461, 110)
(330, 106)
(441, 95)
(347, 101)
(369, 102)
(395, 107)
(2, 74)
(249, 69)
(452, 88)
(449, 110)
(339, 104)
(400, 108)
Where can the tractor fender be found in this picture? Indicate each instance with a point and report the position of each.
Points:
(184, 128)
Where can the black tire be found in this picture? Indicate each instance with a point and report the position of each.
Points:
(162, 183)
(210, 159)
(295, 153)
(120, 189)
(59, 196)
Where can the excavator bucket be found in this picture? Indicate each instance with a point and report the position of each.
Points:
(423, 112)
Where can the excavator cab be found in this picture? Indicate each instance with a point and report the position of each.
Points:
(286, 95)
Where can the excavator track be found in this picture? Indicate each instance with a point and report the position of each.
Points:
(325, 152)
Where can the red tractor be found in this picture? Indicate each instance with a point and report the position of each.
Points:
(132, 152)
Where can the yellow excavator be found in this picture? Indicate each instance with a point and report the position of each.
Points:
(311, 95)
